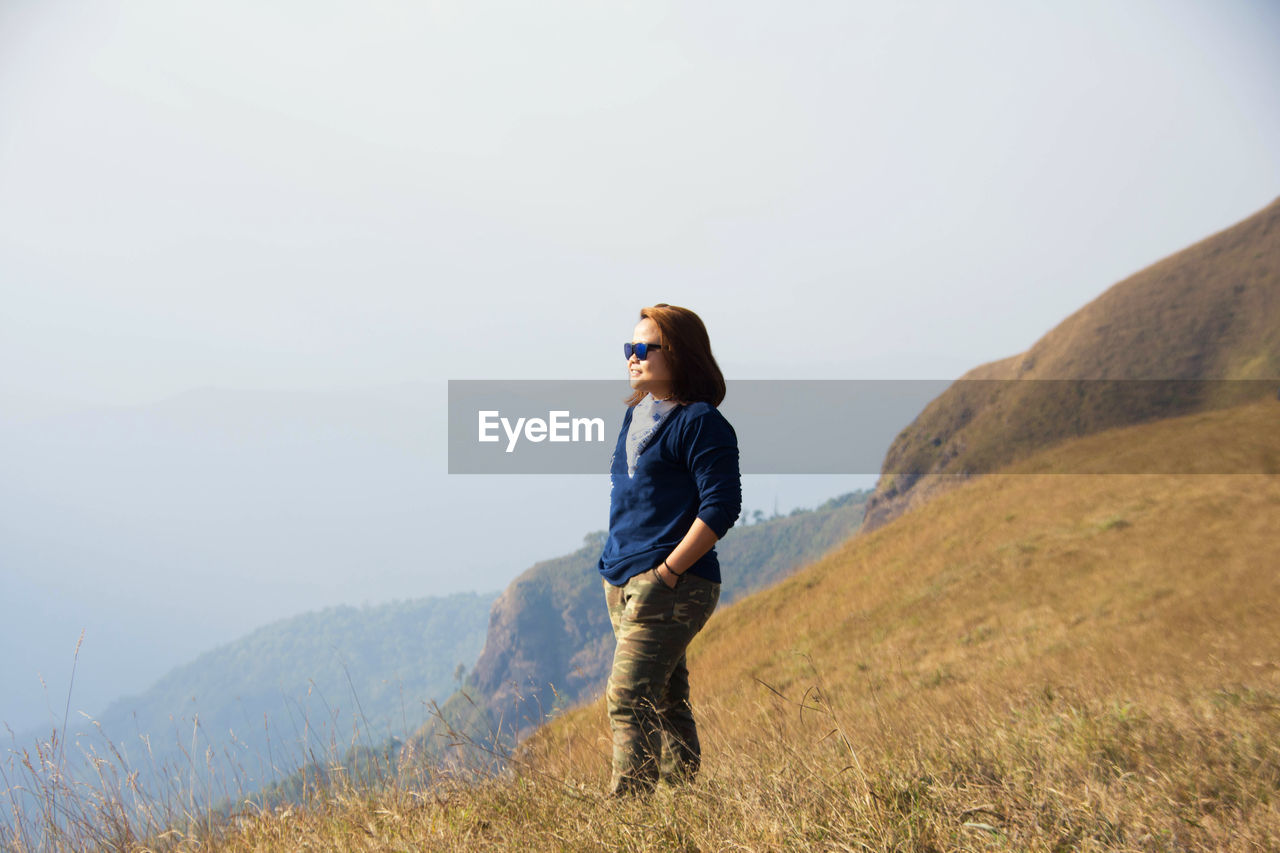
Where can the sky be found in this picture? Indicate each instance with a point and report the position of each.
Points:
(297, 198)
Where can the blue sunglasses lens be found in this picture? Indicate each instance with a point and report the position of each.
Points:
(641, 350)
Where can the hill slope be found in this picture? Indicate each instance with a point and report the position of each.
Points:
(1209, 312)
(1153, 571)
(1080, 661)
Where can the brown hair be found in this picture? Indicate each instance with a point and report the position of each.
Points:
(695, 376)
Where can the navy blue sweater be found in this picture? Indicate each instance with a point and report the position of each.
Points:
(689, 470)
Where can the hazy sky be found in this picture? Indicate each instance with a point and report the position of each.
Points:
(331, 196)
(288, 194)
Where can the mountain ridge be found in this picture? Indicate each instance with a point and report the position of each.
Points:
(1208, 312)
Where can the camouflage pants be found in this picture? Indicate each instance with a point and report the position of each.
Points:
(654, 735)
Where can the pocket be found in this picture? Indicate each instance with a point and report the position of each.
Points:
(642, 586)
(650, 600)
(651, 577)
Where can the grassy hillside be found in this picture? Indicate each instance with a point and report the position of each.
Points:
(1034, 661)
(1209, 312)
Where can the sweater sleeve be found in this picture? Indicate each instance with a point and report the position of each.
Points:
(711, 454)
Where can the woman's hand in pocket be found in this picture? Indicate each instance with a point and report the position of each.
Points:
(666, 577)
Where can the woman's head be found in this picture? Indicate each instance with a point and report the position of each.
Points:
(684, 367)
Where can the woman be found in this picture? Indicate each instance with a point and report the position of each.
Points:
(676, 491)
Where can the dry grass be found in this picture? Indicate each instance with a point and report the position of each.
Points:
(1031, 662)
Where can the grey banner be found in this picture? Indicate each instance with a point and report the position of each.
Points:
(813, 426)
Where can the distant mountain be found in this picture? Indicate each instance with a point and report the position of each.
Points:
(549, 643)
(1209, 312)
(303, 687)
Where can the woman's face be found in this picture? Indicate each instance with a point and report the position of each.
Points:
(651, 375)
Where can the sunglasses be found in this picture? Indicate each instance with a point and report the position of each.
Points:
(641, 350)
